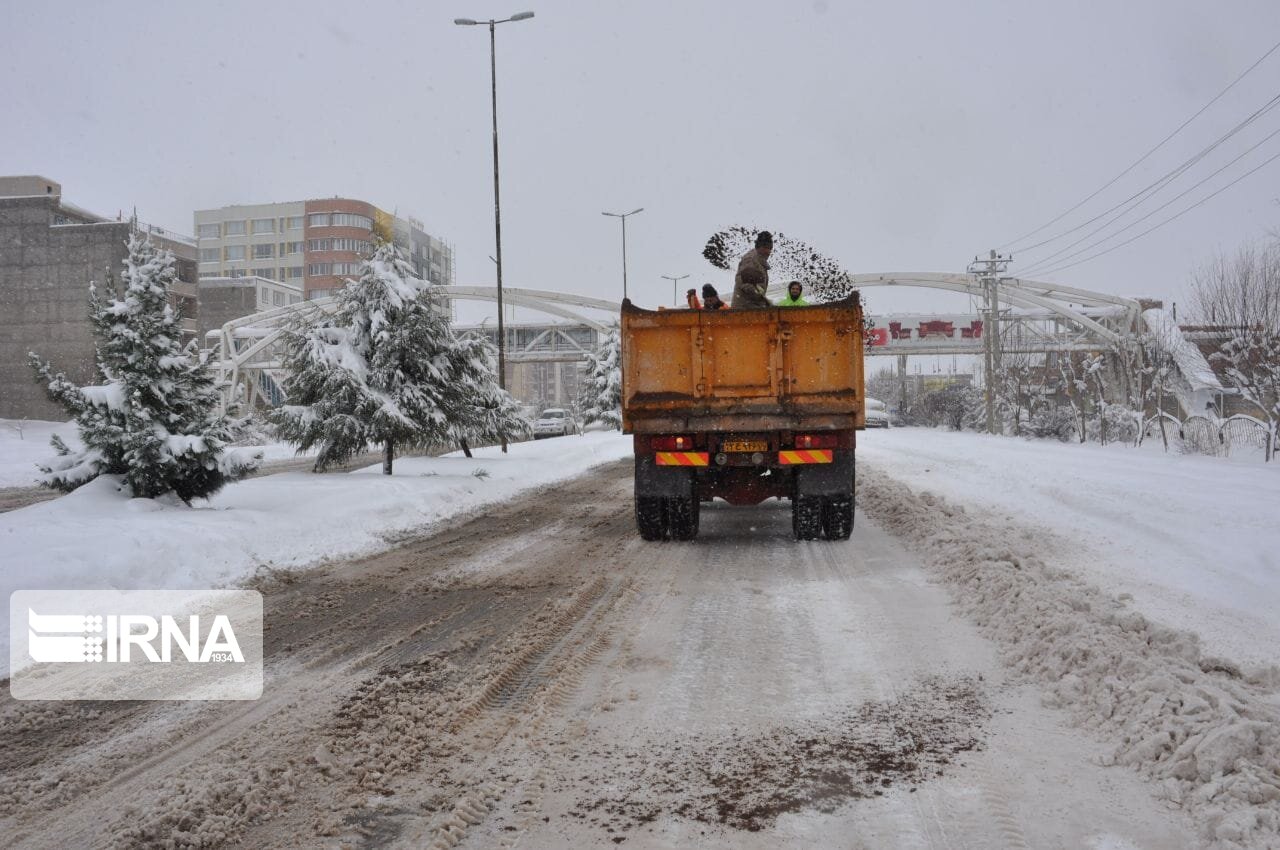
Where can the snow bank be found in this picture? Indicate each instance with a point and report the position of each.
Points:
(98, 537)
(1206, 731)
(1194, 540)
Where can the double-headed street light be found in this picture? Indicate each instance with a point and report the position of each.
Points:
(674, 280)
(623, 216)
(497, 206)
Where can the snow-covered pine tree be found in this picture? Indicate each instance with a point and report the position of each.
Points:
(386, 370)
(154, 417)
(490, 414)
(602, 385)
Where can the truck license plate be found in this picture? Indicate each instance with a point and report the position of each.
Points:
(744, 446)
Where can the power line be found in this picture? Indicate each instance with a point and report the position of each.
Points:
(1144, 157)
(1169, 219)
(1152, 188)
(1044, 263)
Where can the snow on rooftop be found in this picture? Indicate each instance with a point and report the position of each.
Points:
(1191, 362)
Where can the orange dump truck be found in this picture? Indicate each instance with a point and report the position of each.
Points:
(743, 405)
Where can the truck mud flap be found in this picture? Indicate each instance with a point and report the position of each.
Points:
(826, 479)
(669, 481)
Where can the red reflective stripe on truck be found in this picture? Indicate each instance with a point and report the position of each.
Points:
(787, 458)
(682, 458)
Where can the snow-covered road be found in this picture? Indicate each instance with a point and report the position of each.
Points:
(539, 676)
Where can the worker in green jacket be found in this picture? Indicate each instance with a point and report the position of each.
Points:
(793, 298)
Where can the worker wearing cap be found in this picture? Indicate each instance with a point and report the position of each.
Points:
(752, 279)
(711, 298)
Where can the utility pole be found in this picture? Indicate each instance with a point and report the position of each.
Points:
(674, 280)
(987, 272)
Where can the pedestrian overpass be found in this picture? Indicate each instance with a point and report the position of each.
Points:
(1015, 314)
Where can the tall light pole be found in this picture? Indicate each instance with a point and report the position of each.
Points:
(674, 280)
(623, 216)
(497, 205)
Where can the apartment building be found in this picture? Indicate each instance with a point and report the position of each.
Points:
(314, 244)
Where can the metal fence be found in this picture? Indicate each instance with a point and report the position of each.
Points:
(1237, 435)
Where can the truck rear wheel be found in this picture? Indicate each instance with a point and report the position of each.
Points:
(651, 517)
(806, 517)
(837, 517)
(682, 517)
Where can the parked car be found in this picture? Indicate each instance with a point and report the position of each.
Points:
(554, 422)
(877, 413)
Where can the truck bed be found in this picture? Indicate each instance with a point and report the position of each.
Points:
(748, 369)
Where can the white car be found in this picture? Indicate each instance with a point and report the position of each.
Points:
(877, 413)
(554, 422)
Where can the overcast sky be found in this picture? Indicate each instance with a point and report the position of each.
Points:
(890, 136)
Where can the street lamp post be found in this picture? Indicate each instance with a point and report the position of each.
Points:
(497, 205)
(674, 280)
(623, 216)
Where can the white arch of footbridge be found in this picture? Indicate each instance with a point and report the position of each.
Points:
(245, 350)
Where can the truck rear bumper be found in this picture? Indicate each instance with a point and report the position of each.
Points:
(746, 485)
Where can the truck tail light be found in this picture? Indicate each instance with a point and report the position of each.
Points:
(816, 441)
(671, 443)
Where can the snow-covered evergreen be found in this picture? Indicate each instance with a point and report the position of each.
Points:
(490, 414)
(602, 385)
(153, 418)
(386, 370)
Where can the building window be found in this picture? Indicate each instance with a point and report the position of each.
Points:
(293, 272)
(295, 222)
(269, 274)
(234, 252)
(294, 248)
(346, 268)
(209, 231)
(264, 225)
(214, 273)
(295, 299)
(277, 298)
(234, 228)
(314, 269)
(351, 220)
(318, 220)
(319, 244)
(313, 294)
(264, 252)
(210, 255)
(357, 246)
(236, 273)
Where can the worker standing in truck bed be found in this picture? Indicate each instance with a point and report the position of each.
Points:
(752, 280)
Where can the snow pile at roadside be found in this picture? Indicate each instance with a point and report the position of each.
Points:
(1207, 731)
(98, 537)
(1195, 540)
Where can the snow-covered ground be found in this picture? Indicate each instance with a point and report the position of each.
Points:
(97, 536)
(25, 443)
(1194, 540)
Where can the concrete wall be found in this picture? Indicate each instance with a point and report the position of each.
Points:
(44, 298)
(224, 299)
